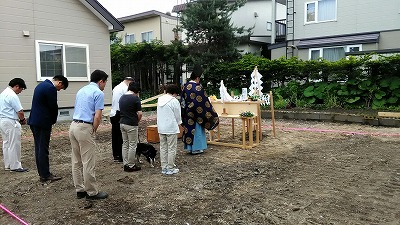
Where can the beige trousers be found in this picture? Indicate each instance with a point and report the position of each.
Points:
(11, 135)
(129, 144)
(168, 145)
(83, 157)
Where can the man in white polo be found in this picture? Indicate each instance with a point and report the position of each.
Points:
(11, 118)
(115, 116)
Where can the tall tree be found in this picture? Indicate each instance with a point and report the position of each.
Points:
(210, 34)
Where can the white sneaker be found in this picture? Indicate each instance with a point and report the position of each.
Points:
(164, 171)
(172, 171)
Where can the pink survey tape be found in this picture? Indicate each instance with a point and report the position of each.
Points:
(336, 131)
(13, 215)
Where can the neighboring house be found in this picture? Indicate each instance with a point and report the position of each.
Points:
(333, 29)
(42, 38)
(259, 15)
(148, 26)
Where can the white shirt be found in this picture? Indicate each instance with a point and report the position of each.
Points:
(168, 115)
(9, 104)
(117, 92)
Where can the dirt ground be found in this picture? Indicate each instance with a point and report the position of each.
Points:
(311, 173)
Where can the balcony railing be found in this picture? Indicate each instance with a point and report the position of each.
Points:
(280, 28)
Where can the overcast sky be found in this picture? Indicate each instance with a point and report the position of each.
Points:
(121, 8)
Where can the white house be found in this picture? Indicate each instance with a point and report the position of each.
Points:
(333, 29)
(148, 26)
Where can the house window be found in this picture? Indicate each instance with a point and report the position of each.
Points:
(320, 11)
(147, 36)
(310, 12)
(129, 38)
(353, 48)
(332, 53)
(66, 59)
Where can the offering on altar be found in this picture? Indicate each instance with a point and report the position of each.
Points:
(213, 98)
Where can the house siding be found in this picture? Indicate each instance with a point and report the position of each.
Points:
(390, 39)
(59, 21)
(162, 27)
(257, 14)
(167, 26)
(137, 27)
(355, 16)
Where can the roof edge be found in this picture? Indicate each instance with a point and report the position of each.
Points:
(104, 15)
(143, 15)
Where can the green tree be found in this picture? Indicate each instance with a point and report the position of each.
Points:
(210, 34)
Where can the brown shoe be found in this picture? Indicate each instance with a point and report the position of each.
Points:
(50, 178)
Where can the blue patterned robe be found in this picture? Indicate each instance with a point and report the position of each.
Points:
(197, 108)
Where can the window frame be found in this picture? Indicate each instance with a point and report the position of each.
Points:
(141, 34)
(39, 76)
(353, 46)
(128, 35)
(321, 49)
(316, 2)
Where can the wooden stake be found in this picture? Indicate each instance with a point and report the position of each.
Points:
(271, 102)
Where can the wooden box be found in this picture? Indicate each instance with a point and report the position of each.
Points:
(152, 134)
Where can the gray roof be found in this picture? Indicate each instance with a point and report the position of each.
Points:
(104, 15)
(144, 15)
(179, 8)
(339, 40)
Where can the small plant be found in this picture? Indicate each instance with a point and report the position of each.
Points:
(246, 114)
(254, 97)
(280, 103)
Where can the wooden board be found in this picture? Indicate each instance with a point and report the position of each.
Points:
(235, 108)
(389, 114)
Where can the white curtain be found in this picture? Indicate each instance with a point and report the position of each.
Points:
(314, 54)
(326, 10)
(333, 54)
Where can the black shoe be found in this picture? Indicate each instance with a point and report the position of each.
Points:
(118, 159)
(131, 168)
(20, 170)
(81, 194)
(100, 195)
(50, 178)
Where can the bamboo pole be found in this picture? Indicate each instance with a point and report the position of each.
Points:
(271, 102)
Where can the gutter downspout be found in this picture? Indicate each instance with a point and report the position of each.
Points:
(161, 34)
(273, 15)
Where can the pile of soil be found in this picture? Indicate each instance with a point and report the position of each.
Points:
(310, 173)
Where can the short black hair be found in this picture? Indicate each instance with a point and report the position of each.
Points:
(129, 78)
(98, 75)
(197, 71)
(173, 89)
(63, 80)
(134, 87)
(17, 81)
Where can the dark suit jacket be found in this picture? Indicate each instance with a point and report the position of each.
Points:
(44, 110)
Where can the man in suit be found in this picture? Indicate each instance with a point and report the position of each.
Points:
(44, 112)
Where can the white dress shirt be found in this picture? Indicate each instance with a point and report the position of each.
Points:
(117, 92)
(9, 104)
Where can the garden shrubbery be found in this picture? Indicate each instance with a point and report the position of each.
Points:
(353, 83)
